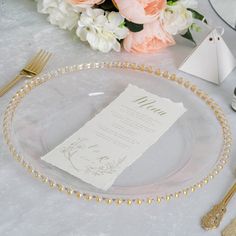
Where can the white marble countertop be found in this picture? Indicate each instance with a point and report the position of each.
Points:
(28, 207)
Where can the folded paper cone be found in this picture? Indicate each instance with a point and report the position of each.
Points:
(212, 60)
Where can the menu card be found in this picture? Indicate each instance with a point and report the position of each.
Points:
(116, 137)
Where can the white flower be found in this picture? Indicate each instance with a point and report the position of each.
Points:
(189, 3)
(86, 3)
(60, 13)
(176, 18)
(101, 29)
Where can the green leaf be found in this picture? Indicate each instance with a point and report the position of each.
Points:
(195, 27)
(197, 15)
(171, 2)
(188, 35)
(133, 27)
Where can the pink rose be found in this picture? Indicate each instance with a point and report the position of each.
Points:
(85, 2)
(151, 39)
(140, 11)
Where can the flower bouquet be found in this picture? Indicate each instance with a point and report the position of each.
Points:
(142, 26)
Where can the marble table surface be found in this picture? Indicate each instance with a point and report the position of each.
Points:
(28, 207)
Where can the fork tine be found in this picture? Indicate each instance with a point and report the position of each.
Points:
(31, 63)
(46, 59)
(38, 61)
(42, 62)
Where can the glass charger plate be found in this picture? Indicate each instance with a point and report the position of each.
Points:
(49, 109)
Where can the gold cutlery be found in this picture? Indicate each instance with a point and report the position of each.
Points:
(33, 68)
(230, 229)
(213, 218)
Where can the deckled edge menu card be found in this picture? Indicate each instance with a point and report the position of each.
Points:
(110, 142)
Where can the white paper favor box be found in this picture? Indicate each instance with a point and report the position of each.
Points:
(212, 60)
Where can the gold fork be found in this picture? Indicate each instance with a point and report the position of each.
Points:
(213, 218)
(33, 68)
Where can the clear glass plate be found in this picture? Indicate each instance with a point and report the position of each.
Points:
(53, 111)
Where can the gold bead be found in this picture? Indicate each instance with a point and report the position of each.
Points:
(149, 69)
(211, 176)
(60, 187)
(203, 96)
(36, 174)
(176, 195)
(210, 101)
(79, 195)
(133, 66)
(158, 72)
(69, 191)
(199, 92)
(29, 168)
(142, 67)
(223, 161)
(199, 185)
(43, 178)
(158, 199)
(109, 201)
(165, 74)
(219, 167)
(24, 164)
(118, 201)
(98, 199)
(186, 84)
(226, 156)
(193, 189)
(129, 202)
(51, 183)
(149, 200)
(88, 197)
(139, 201)
(173, 77)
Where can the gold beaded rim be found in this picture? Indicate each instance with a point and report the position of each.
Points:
(219, 114)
